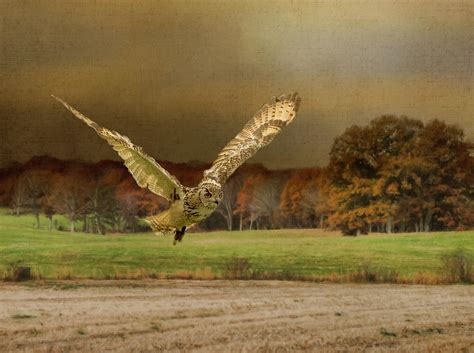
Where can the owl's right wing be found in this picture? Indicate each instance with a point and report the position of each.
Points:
(257, 133)
(144, 169)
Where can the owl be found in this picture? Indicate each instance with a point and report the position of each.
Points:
(191, 205)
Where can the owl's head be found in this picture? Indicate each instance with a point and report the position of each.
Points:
(210, 195)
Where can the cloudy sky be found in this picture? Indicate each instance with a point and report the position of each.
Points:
(180, 78)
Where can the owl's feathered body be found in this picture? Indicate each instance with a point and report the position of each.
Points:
(192, 205)
(183, 213)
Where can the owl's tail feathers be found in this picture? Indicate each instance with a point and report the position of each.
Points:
(160, 223)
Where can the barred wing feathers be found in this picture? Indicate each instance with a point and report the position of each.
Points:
(257, 133)
(144, 169)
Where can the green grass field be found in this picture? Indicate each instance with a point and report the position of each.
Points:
(54, 254)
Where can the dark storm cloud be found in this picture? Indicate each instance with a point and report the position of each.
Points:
(181, 78)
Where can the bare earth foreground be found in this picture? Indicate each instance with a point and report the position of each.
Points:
(234, 316)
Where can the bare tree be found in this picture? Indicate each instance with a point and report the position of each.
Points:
(128, 210)
(70, 198)
(227, 207)
(48, 210)
(19, 198)
(31, 188)
(265, 202)
(309, 205)
(103, 206)
(39, 185)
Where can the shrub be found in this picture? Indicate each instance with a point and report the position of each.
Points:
(17, 272)
(238, 268)
(458, 266)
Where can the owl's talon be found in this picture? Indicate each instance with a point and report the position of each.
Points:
(179, 234)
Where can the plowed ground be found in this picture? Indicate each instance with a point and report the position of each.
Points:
(234, 316)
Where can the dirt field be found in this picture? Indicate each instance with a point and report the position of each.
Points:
(234, 316)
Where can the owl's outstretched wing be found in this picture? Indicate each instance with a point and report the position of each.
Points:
(144, 169)
(257, 133)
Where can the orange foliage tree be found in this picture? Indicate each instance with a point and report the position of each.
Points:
(302, 201)
(259, 198)
(397, 174)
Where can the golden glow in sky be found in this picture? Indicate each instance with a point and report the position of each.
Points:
(181, 78)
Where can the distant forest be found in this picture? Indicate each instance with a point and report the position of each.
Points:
(395, 174)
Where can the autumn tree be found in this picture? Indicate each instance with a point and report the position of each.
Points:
(246, 192)
(243, 200)
(128, 197)
(397, 175)
(259, 198)
(449, 189)
(356, 159)
(302, 198)
(135, 203)
(8, 179)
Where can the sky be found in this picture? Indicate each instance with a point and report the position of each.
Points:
(181, 78)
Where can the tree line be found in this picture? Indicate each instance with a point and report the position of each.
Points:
(393, 175)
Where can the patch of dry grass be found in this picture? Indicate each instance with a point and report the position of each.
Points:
(365, 274)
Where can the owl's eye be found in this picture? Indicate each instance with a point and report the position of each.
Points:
(207, 193)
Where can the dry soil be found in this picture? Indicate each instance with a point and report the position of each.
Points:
(234, 316)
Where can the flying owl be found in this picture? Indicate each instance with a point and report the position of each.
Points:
(191, 205)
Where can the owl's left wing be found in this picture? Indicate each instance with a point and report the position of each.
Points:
(257, 133)
(144, 169)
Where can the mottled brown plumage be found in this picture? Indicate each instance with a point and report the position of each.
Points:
(192, 205)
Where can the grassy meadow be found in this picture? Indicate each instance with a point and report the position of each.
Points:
(284, 254)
